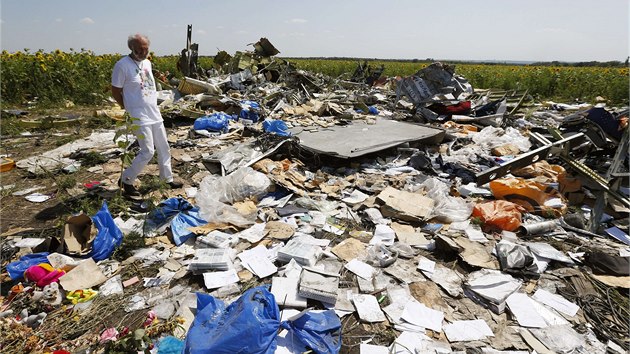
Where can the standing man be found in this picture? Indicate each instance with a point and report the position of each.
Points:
(133, 87)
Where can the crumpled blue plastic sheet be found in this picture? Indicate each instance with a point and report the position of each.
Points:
(217, 121)
(251, 324)
(320, 331)
(277, 127)
(250, 110)
(181, 215)
(16, 269)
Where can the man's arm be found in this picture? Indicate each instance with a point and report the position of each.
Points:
(117, 94)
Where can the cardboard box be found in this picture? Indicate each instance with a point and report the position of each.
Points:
(78, 235)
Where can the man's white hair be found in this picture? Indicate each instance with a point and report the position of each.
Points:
(136, 38)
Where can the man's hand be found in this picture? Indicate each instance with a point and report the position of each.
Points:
(117, 94)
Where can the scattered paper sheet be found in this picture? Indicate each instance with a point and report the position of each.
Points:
(29, 242)
(361, 269)
(447, 279)
(552, 318)
(475, 234)
(394, 311)
(420, 315)
(84, 276)
(459, 225)
(405, 271)
(285, 290)
(408, 327)
(410, 342)
(111, 287)
(556, 302)
(37, 197)
(407, 234)
(522, 307)
(257, 261)
(218, 279)
(254, 233)
(376, 217)
(262, 267)
(488, 350)
(333, 229)
(559, 339)
(546, 250)
(427, 266)
(318, 218)
(58, 260)
(349, 248)
(493, 285)
(368, 308)
(373, 349)
(355, 197)
(460, 331)
(383, 234)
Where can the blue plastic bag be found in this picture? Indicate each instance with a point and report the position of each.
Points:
(170, 345)
(218, 122)
(250, 110)
(277, 127)
(320, 331)
(251, 325)
(372, 110)
(16, 269)
(248, 325)
(108, 237)
(181, 215)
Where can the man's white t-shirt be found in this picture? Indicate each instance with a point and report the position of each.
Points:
(139, 91)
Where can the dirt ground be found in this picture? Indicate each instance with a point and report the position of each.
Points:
(65, 189)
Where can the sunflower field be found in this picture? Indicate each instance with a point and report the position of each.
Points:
(83, 77)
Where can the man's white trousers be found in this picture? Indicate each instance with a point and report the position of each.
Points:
(151, 138)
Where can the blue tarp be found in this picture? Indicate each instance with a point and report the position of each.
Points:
(181, 215)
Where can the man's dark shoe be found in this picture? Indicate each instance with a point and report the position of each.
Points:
(175, 184)
(128, 189)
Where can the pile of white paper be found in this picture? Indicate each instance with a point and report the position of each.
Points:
(303, 253)
(211, 258)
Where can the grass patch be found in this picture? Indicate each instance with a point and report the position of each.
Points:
(66, 182)
(65, 139)
(100, 122)
(92, 158)
(131, 241)
(151, 183)
(9, 126)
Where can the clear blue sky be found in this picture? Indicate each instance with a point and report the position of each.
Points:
(537, 30)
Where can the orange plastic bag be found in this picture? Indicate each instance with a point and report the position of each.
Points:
(500, 214)
(533, 196)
